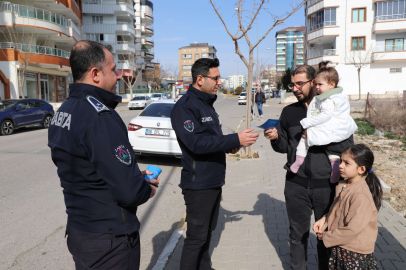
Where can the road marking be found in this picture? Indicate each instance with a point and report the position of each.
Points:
(239, 125)
(171, 245)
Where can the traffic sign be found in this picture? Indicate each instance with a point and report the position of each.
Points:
(242, 85)
(258, 81)
(229, 88)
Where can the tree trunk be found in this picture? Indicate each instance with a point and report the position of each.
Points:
(249, 91)
(21, 80)
(359, 82)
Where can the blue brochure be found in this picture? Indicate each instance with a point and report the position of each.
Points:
(269, 124)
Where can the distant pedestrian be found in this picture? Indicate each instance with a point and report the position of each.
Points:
(350, 228)
(102, 184)
(259, 100)
(203, 146)
(309, 189)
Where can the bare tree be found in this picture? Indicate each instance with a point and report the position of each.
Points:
(360, 59)
(130, 77)
(23, 43)
(242, 31)
(153, 77)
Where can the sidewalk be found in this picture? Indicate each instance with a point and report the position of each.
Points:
(253, 229)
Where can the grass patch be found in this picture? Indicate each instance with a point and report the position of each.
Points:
(364, 127)
(390, 136)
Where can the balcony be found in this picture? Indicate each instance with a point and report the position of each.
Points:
(41, 18)
(107, 7)
(389, 53)
(148, 55)
(312, 2)
(314, 57)
(148, 19)
(147, 30)
(147, 41)
(150, 67)
(125, 46)
(328, 29)
(389, 24)
(109, 28)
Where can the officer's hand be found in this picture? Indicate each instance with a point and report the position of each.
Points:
(247, 138)
(153, 188)
(271, 134)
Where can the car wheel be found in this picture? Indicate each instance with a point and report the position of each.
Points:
(47, 121)
(7, 127)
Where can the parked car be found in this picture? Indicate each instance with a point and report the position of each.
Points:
(151, 133)
(157, 96)
(139, 102)
(242, 99)
(268, 94)
(17, 113)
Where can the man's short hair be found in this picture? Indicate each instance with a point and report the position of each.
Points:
(85, 55)
(309, 70)
(202, 67)
(324, 64)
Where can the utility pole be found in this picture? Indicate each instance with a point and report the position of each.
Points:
(257, 54)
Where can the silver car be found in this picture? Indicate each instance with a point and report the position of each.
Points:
(139, 102)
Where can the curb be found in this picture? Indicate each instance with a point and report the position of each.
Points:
(171, 245)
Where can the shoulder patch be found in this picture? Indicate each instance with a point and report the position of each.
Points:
(188, 125)
(97, 105)
(123, 155)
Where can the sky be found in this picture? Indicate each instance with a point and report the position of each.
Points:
(181, 22)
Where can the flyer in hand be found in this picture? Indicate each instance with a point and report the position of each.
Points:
(269, 124)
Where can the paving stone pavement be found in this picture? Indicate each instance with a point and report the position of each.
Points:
(252, 230)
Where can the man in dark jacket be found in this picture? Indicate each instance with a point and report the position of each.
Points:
(259, 100)
(309, 189)
(203, 145)
(101, 181)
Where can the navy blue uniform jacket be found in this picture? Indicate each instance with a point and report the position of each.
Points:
(101, 181)
(201, 140)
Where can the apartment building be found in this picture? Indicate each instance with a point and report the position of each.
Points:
(189, 54)
(350, 32)
(235, 81)
(126, 25)
(35, 42)
(290, 48)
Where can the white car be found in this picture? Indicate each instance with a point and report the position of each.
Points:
(139, 102)
(151, 133)
(158, 96)
(242, 99)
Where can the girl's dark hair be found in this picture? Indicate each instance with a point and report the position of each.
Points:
(363, 156)
(330, 74)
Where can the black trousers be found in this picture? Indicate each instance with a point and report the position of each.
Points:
(300, 202)
(202, 210)
(103, 251)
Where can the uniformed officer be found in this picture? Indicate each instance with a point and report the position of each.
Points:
(101, 181)
(203, 145)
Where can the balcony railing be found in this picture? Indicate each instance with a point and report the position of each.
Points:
(312, 2)
(390, 48)
(37, 13)
(318, 53)
(323, 24)
(37, 49)
(392, 17)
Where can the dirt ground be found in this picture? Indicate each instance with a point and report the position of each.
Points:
(389, 165)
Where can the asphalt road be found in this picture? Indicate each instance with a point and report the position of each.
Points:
(32, 212)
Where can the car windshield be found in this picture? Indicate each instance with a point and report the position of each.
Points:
(182, 93)
(5, 104)
(139, 98)
(157, 95)
(243, 94)
(158, 110)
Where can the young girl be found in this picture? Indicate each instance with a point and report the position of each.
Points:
(328, 120)
(352, 222)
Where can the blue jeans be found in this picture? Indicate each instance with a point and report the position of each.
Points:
(259, 105)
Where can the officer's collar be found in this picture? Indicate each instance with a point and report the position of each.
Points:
(202, 95)
(82, 90)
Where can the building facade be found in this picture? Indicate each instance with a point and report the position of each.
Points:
(290, 48)
(235, 81)
(35, 42)
(126, 25)
(189, 54)
(354, 32)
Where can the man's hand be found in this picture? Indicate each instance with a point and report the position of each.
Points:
(153, 181)
(271, 134)
(234, 150)
(247, 138)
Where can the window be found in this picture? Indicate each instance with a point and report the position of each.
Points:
(186, 56)
(196, 50)
(358, 15)
(323, 18)
(197, 55)
(358, 43)
(97, 19)
(95, 37)
(190, 50)
(186, 67)
(395, 70)
(204, 55)
(184, 72)
(280, 45)
(390, 10)
(184, 61)
(394, 45)
(184, 50)
(204, 50)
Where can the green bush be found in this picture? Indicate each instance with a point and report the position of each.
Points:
(364, 127)
(390, 136)
(238, 90)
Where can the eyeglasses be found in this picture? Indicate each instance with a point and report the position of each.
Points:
(298, 85)
(213, 78)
